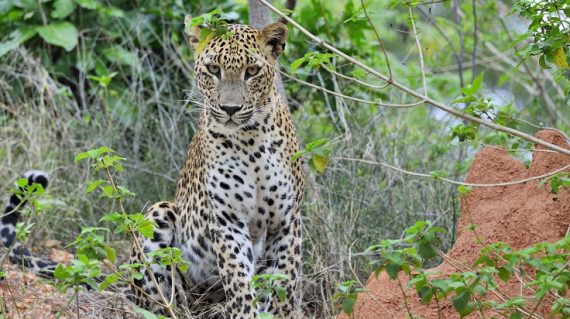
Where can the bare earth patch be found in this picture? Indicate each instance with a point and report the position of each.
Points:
(26, 295)
(520, 215)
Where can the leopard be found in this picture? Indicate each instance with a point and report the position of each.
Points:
(237, 207)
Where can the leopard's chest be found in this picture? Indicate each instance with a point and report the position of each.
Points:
(251, 182)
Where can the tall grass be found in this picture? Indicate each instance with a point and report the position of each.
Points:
(47, 118)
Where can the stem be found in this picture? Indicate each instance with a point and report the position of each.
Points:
(422, 69)
(475, 31)
(413, 93)
(165, 303)
(377, 38)
(405, 299)
(446, 38)
(536, 306)
(461, 41)
(438, 306)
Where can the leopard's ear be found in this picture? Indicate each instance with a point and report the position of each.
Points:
(274, 36)
(192, 33)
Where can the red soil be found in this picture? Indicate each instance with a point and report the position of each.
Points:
(520, 215)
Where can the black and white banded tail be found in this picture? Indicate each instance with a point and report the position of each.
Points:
(18, 253)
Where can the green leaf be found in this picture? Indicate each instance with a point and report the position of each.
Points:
(320, 163)
(504, 274)
(111, 254)
(296, 64)
(315, 144)
(281, 293)
(22, 182)
(542, 62)
(61, 272)
(16, 38)
(62, 8)
(425, 294)
(438, 174)
(298, 155)
(393, 270)
(81, 156)
(476, 85)
(463, 190)
(146, 314)
(463, 99)
(146, 228)
(87, 4)
(348, 304)
(93, 185)
(425, 250)
(63, 34)
(461, 303)
(109, 280)
(440, 284)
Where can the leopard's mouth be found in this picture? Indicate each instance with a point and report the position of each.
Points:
(234, 121)
(230, 123)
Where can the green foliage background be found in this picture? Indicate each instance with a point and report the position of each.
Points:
(78, 74)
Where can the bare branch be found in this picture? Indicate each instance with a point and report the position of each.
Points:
(422, 69)
(401, 170)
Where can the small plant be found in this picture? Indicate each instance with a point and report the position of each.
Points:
(212, 24)
(313, 60)
(548, 30)
(541, 269)
(92, 250)
(557, 181)
(319, 151)
(347, 294)
(266, 289)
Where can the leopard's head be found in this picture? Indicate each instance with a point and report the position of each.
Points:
(235, 73)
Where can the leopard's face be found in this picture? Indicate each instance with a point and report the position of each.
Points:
(235, 75)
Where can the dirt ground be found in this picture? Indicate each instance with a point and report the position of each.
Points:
(520, 215)
(26, 295)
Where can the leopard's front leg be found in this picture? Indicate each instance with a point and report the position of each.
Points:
(234, 256)
(283, 256)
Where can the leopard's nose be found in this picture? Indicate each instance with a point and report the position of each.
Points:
(230, 110)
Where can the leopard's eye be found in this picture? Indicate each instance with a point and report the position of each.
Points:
(214, 69)
(251, 71)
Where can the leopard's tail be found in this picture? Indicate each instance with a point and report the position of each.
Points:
(18, 254)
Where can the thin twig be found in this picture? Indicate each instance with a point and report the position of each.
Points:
(390, 105)
(405, 298)
(422, 69)
(165, 303)
(475, 31)
(461, 41)
(448, 40)
(401, 170)
(377, 38)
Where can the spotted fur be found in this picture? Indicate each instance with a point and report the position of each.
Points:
(236, 211)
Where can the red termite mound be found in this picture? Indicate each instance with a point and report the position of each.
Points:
(520, 215)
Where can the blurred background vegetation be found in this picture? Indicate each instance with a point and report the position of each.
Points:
(78, 74)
